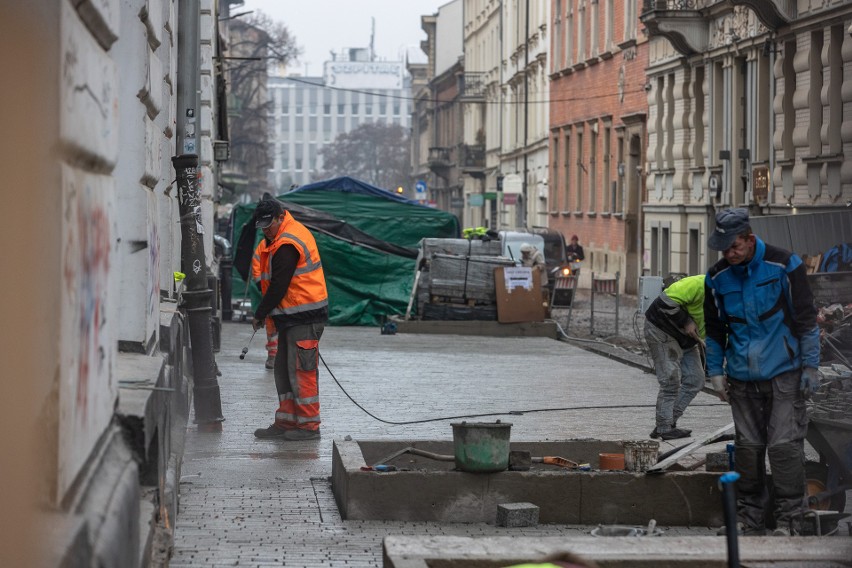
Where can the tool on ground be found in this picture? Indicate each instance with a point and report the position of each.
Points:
(716, 436)
(729, 507)
(556, 460)
(245, 349)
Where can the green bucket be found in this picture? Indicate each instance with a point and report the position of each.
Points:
(481, 447)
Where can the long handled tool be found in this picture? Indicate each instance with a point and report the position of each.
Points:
(245, 349)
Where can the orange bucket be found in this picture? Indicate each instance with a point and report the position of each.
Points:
(611, 461)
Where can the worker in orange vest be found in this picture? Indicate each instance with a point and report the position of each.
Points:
(296, 300)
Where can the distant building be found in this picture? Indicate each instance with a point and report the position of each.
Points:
(309, 112)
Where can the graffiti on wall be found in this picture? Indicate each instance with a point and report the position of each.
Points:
(86, 258)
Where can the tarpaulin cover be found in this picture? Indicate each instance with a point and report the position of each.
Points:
(382, 214)
(367, 277)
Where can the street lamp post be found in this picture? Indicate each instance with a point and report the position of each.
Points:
(197, 295)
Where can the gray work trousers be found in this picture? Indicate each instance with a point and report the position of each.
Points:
(770, 418)
(680, 374)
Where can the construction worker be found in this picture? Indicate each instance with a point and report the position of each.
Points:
(762, 335)
(532, 257)
(674, 332)
(263, 284)
(297, 302)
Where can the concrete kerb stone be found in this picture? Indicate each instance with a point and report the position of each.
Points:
(671, 552)
(517, 515)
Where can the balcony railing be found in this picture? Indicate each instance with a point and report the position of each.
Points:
(472, 84)
(440, 158)
(649, 5)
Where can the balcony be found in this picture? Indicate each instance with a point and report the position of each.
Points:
(772, 13)
(472, 160)
(440, 159)
(679, 21)
(472, 85)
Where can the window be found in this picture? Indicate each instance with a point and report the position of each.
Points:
(396, 109)
(569, 36)
(593, 24)
(557, 38)
(566, 203)
(581, 34)
(608, 183)
(593, 167)
(341, 124)
(354, 108)
(326, 109)
(815, 94)
(630, 17)
(383, 108)
(610, 18)
(341, 109)
(554, 175)
(578, 194)
(789, 110)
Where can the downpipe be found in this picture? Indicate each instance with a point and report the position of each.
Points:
(197, 295)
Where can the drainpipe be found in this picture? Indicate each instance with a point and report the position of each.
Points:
(526, 110)
(197, 295)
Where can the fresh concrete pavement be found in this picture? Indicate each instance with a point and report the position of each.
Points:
(252, 502)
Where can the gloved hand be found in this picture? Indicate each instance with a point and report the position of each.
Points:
(809, 382)
(720, 385)
(691, 329)
(256, 324)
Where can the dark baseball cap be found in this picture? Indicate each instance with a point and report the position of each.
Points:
(267, 211)
(730, 223)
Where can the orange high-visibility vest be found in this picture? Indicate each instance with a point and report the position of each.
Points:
(307, 289)
(256, 269)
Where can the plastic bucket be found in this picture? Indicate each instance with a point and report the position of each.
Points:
(640, 455)
(481, 447)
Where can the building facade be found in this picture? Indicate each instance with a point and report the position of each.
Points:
(102, 337)
(437, 116)
(308, 113)
(524, 157)
(749, 106)
(598, 109)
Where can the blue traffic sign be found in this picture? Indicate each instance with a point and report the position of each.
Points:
(420, 186)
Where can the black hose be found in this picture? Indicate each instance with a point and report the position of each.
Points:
(507, 413)
(729, 506)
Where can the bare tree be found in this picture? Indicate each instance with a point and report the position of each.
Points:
(374, 152)
(255, 43)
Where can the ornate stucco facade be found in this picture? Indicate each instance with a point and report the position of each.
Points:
(749, 105)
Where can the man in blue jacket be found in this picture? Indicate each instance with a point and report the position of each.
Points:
(762, 333)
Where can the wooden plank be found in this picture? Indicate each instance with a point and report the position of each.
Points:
(664, 464)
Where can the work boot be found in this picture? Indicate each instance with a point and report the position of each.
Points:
(654, 433)
(675, 433)
(270, 362)
(742, 530)
(781, 531)
(297, 434)
(273, 431)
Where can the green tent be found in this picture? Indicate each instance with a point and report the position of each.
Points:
(369, 274)
(378, 212)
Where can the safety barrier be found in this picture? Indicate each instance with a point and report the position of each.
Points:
(609, 286)
(563, 294)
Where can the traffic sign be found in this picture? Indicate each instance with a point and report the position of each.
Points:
(420, 187)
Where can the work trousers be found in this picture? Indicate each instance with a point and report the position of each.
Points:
(296, 376)
(271, 338)
(770, 418)
(680, 374)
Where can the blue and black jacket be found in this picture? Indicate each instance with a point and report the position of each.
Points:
(760, 316)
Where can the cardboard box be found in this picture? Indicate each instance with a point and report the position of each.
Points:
(519, 297)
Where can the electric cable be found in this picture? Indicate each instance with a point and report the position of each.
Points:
(506, 413)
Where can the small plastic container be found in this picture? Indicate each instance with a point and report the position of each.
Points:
(612, 462)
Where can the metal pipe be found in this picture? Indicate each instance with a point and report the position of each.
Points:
(197, 296)
(729, 506)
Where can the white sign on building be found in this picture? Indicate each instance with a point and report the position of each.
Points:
(364, 74)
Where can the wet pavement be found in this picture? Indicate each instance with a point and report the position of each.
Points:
(250, 502)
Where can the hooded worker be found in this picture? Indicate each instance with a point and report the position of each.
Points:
(297, 301)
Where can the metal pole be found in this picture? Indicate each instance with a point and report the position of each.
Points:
(197, 296)
(526, 112)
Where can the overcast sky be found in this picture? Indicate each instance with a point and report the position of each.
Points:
(324, 25)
